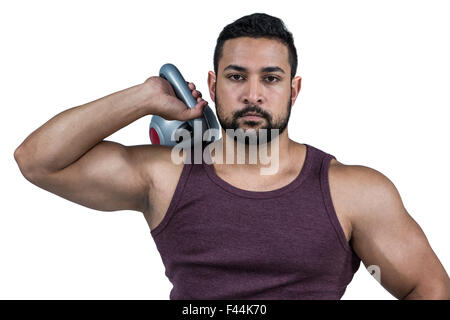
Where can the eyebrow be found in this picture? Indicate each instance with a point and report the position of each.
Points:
(242, 69)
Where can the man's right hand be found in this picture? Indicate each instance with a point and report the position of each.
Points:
(165, 103)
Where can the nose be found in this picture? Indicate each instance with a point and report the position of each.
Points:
(253, 92)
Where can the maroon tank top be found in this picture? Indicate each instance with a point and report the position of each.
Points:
(217, 241)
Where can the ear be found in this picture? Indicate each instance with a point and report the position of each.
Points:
(212, 85)
(296, 85)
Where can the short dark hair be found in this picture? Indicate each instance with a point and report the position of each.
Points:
(257, 25)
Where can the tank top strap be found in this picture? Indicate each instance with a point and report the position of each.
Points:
(317, 160)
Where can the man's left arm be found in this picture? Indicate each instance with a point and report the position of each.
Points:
(385, 235)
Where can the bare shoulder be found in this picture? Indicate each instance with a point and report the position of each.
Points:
(364, 184)
(358, 191)
(358, 174)
(157, 164)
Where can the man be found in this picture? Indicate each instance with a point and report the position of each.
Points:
(225, 231)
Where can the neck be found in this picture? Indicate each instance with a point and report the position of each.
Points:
(267, 158)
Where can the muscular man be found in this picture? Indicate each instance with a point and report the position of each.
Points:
(225, 231)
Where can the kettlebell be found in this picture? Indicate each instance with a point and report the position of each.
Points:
(164, 132)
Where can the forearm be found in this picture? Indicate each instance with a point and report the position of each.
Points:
(68, 135)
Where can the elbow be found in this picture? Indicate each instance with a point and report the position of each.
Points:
(23, 161)
(19, 156)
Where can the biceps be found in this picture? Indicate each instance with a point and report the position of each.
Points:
(395, 243)
(106, 178)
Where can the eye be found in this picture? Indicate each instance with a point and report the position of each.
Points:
(272, 79)
(276, 79)
(234, 75)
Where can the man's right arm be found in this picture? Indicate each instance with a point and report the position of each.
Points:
(108, 177)
(68, 155)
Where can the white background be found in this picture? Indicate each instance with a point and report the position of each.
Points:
(375, 92)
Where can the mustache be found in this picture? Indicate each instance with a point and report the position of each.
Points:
(252, 109)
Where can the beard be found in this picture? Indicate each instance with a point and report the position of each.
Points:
(279, 123)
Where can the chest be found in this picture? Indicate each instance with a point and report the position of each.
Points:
(271, 236)
(161, 195)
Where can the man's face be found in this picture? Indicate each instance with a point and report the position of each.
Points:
(245, 84)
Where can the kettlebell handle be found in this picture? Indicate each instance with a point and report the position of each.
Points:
(171, 73)
(162, 130)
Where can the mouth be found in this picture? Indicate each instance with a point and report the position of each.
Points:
(252, 116)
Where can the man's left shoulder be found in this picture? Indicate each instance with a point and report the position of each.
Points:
(358, 175)
(362, 188)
